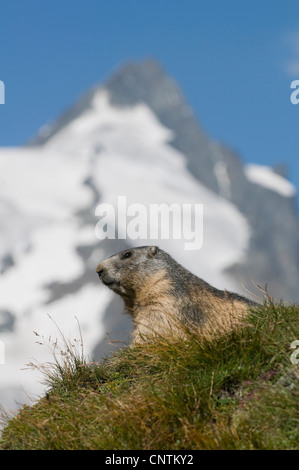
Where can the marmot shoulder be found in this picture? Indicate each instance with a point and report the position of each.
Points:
(161, 295)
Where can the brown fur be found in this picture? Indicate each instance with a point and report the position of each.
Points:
(163, 297)
(153, 308)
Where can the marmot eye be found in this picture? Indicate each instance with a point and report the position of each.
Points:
(128, 254)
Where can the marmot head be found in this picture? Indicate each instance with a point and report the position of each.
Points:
(126, 272)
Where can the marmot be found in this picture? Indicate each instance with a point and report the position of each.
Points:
(161, 295)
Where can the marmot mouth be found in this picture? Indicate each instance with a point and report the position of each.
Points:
(115, 286)
(110, 282)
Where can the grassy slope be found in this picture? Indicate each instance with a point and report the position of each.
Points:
(238, 392)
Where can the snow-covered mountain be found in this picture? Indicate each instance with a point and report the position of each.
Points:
(133, 136)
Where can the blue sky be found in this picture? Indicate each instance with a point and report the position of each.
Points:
(234, 61)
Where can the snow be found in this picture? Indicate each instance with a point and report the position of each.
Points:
(42, 183)
(102, 123)
(266, 177)
(51, 257)
(221, 172)
(36, 188)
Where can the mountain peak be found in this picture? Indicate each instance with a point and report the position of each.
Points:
(131, 83)
(138, 82)
(145, 81)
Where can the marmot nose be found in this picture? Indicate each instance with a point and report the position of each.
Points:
(100, 272)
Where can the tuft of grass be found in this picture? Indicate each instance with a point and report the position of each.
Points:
(239, 391)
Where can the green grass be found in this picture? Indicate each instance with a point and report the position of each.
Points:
(236, 392)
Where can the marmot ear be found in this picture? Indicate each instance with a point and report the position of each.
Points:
(152, 251)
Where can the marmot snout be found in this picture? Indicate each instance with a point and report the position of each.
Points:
(160, 294)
